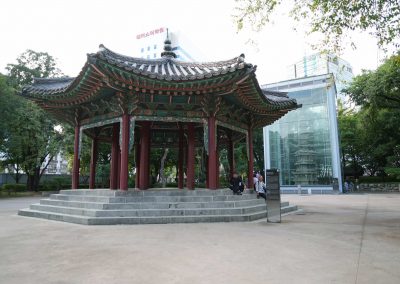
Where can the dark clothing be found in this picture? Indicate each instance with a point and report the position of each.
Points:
(236, 185)
(262, 195)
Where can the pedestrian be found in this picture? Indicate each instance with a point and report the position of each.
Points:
(346, 185)
(236, 184)
(261, 189)
(255, 180)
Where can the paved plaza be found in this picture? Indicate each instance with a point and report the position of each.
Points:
(332, 239)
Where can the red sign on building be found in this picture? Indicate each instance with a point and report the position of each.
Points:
(150, 33)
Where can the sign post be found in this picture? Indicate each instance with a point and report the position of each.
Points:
(273, 196)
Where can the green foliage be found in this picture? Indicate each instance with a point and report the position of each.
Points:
(30, 65)
(258, 149)
(377, 179)
(29, 135)
(332, 19)
(6, 106)
(56, 184)
(380, 88)
(14, 187)
(393, 172)
(370, 137)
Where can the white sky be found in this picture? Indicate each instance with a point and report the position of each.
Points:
(68, 30)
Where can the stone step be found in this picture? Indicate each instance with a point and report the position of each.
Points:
(156, 205)
(131, 199)
(104, 206)
(74, 204)
(139, 220)
(83, 198)
(288, 208)
(76, 219)
(148, 212)
(145, 220)
(156, 192)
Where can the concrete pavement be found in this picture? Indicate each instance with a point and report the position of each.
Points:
(334, 239)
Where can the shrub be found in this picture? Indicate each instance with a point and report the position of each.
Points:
(56, 184)
(393, 172)
(14, 187)
(367, 179)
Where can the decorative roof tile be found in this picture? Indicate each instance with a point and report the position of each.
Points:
(278, 98)
(47, 86)
(169, 68)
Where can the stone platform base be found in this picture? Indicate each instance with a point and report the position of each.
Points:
(159, 206)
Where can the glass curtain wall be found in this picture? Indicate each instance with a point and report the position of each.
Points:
(299, 142)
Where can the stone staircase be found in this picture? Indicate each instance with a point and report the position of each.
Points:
(159, 206)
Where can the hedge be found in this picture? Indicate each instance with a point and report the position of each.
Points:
(367, 179)
(14, 187)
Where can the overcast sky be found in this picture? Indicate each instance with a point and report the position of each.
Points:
(68, 30)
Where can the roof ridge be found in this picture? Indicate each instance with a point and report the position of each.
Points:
(38, 80)
(106, 51)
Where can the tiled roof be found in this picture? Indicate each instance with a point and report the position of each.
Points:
(242, 85)
(169, 68)
(47, 86)
(278, 98)
(166, 68)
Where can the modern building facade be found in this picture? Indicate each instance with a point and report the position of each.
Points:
(150, 44)
(304, 144)
(322, 63)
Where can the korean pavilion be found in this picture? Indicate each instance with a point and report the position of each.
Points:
(136, 104)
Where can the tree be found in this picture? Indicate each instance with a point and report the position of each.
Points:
(380, 88)
(32, 140)
(8, 102)
(350, 141)
(30, 65)
(258, 149)
(376, 125)
(333, 19)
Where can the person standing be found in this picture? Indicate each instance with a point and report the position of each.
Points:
(261, 188)
(255, 180)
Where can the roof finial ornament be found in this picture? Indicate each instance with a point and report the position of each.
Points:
(168, 48)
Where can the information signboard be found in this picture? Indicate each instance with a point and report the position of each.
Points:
(273, 196)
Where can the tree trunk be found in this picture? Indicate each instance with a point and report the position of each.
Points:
(30, 181)
(17, 174)
(36, 180)
(162, 165)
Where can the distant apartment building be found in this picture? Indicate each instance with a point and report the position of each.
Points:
(322, 63)
(150, 44)
(57, 166)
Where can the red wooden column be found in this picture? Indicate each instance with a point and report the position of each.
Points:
(190, 157)
(119, 168)
(144, 155)
(114, 157)
(217, 164)
(180, 157)
(137, 164)
(123, 183)
(93, 162)
(212, 154)
(75, 165)
(231, 157)
(250, 182)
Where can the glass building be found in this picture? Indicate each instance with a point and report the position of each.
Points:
(304, 144)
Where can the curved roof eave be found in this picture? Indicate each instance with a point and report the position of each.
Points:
(166, 69)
